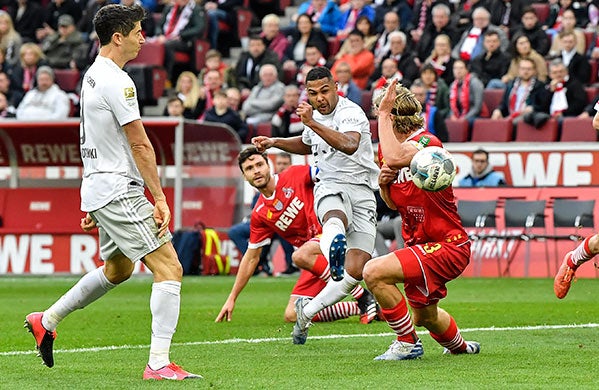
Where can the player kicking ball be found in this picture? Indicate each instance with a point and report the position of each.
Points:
(574, 259)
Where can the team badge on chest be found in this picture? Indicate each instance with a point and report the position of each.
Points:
(278, 205)
(288, 192)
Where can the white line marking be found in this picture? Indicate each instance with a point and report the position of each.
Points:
(286, 339)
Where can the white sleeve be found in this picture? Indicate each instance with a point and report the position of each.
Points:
(352, 119)
(122, 99)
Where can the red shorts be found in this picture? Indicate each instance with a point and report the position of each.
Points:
(428, 267)
(308, 285)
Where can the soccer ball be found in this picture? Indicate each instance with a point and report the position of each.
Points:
(433, 169)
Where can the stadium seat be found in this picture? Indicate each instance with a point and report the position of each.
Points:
(67, 79)
(457, 130)
(578, 130)
(588, 38)
(542, 11)
(591, 93)
(366, 103)
(528, 133)
(334, 46)
(151, 53)
(492, 130)
(374, 129)
(244, 22)
(264, 128)
(593, 77)
(477, 216)
(492, 98)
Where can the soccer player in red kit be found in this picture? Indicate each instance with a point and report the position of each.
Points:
(286, 207)
(437, 249)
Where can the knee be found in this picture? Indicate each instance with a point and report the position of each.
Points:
(118, 274)
(168, 270)
(426, 321)
(290, 315)
(299, 259)
(371, 274)
(594, 244)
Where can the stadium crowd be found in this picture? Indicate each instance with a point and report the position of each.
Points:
(466, 55)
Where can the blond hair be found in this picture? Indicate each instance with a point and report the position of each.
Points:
(405, 114)
(192, 97)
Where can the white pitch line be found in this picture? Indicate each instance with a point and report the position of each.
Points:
(286, 339)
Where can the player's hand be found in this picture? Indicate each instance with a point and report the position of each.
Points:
(262, 143)
(304, 111)
(162, 216)
(388, 101)
(387, 175)
(226, 312)
(87, 223)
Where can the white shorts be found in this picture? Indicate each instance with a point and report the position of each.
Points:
(357, 202)
(126, 226)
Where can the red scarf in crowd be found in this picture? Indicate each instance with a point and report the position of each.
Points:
(464, 97)
(513, 110)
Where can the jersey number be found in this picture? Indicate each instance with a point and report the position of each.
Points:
(428, 248)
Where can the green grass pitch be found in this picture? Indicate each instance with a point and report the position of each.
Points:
(530, 340)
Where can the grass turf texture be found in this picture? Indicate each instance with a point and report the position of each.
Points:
(538, 358)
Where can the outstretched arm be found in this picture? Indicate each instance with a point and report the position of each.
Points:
(291, 145)
(246, 270)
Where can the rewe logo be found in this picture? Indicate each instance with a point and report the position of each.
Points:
(289, 214)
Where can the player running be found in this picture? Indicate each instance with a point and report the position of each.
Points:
(286, 207)
(337, 133)
(574, 259)
(437, 249)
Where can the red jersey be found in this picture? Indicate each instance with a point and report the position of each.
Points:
(289, 212)
(427, 216)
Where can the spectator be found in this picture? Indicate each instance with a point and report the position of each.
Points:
(28, 17)
(401, 8)
(10, 39)
(188, 91)
(568, 25)
(462, 17)
(470, 44)
(523, 49)
(265, 98)
(421, 17)
(212, 82)
(506, 14)
(23, 73)
(437, 91)
(324, 14)
(54, 10)
(441, 25)
(233, 98)
(46, 101)
(181, 23)
(383, 43)
(251, 61)
(389, 71)
(13, 96)
(589, 110)
(566, 95)
(175, 107)
(220, 11)
(214, 60)
(434, 121)
(532, 29)
(5, 109)
(482, 173)
(593, 14)
(360, 60)
(578, 65)
(465, 93)
(492, 64)
(313, 58)
(272, 35)
(349, 19)
(60, 47)
(222, 113)
(441, 58)
(523, 95)
(345, 83)
(303, 35)
(286, 123)
(86, 24)
(406, 61)
(552, 23)
(365, 26)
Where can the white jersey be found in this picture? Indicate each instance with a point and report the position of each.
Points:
(108, 101)
(334, 165)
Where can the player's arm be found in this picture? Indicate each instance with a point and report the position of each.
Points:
(292, 144)
(248, 264)
(346, 142)
(386, 177)
(145, 160)
(397, 154)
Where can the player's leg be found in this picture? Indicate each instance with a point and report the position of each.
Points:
(89, 288)
(444, 330)
(333, 242)
(381, 275)
(572, 260)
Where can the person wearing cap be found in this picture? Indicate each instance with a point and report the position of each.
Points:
(54, 10)
(46, 101)
(60, 46)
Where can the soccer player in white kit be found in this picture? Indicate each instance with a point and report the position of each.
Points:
(118, 159)
(337, 133)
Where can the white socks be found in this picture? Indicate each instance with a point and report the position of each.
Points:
(331, 294)
(164, 305)
(90, 287)
(330, 229)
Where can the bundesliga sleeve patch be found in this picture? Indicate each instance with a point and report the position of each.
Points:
(129, 93)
